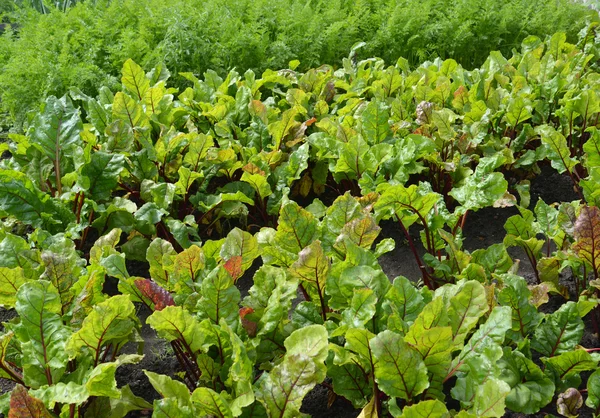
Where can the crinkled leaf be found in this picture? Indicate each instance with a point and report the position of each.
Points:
(466, 307)
(175, 322)
(210, 403)
(407, 203)
(567, 366)
(110, 322)
(531, 390)
(559, 332)
(42, 333)
(100, 176)
(558, 150)
(362, 232)
(134, 79)
(242, 244)
(160, 255)
(399, 371)
(312, 267)
(426, 409)
(525, 316)
(297, 228)
(220, 298)
(593, 387)
(490, 398)
(11, 279)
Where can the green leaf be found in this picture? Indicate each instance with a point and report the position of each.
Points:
(270, 298)
(355, 159)
(170, 407)
(531, 390)
(399, 371)
(110, 322)
(11, 279)
(186, 179)
(487, 339)
(175, 322)
(426, 409)
(518, 111)
(56, 130)
(281, 391)
(375, 124)
(69, 393)
(558, 150)
(312, 267)
(258, 182)
(342, 288)
(134, 79)
(241, 374)
(348, 380)
(100, 176)
(567, 366)
(490, 398)
(435, 346)
(559, 332)
(169, 388)
(592, 149)
(160, 255)
(484, 187)
(403, 300)
(132, 116)
(408, 204)
(525, 316)
(362, 309)
(593, 387)
(297, 228)
(210, 403)
(242, 244)
(20, 198)
(466, 307)
(199, 144)
(42, 333)
(161, 194)
(220, 298)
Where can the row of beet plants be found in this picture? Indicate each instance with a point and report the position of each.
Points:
(202, 183)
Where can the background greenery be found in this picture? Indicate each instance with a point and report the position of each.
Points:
(86, 46)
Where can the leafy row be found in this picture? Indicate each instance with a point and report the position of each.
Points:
(87, 45)
(383, 346)
(228, 152)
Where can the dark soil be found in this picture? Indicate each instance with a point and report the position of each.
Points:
(158, 358)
